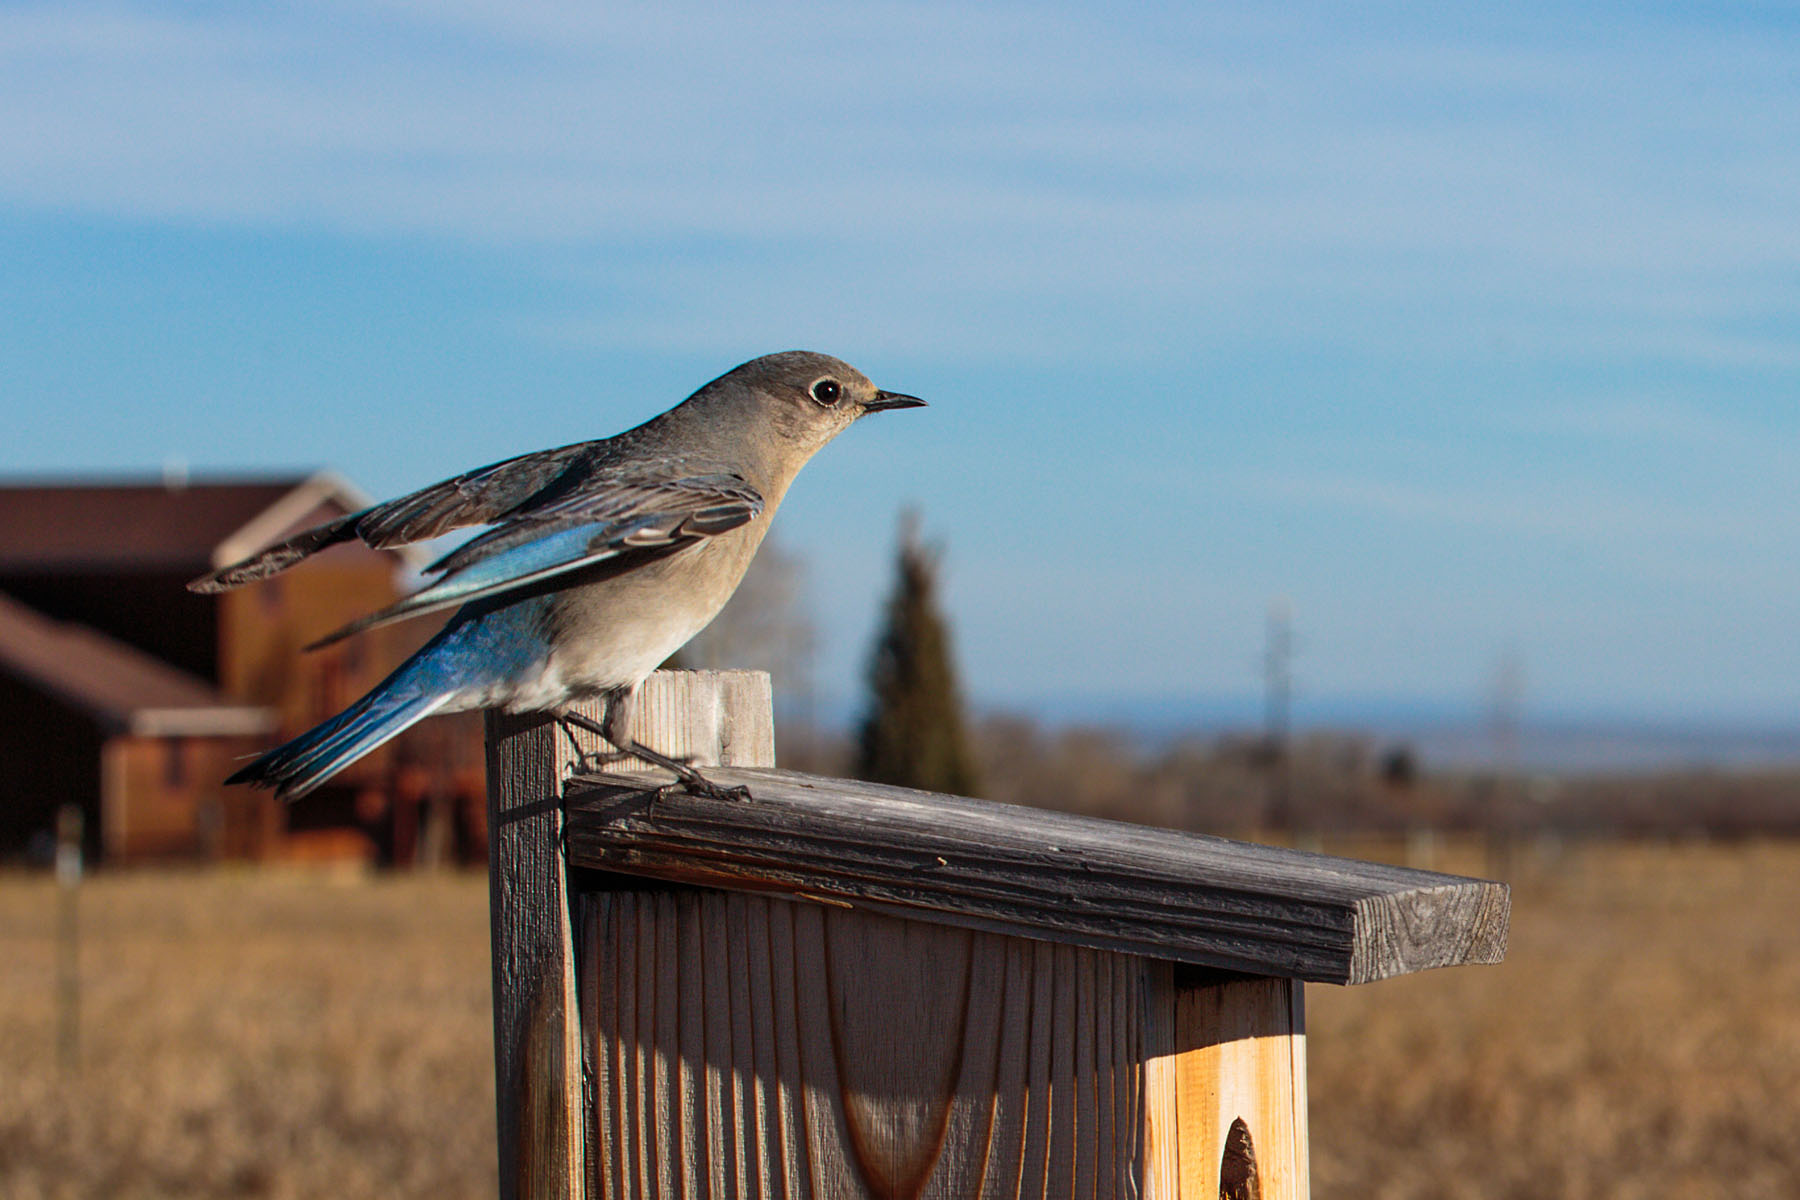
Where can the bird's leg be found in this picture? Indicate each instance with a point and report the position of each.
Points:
(617, 730)
(589, 760)
(691, 781)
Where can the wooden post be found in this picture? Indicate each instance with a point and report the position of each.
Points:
(1239, 1067)
(710, 717)
(537, 1042)
(840, 989)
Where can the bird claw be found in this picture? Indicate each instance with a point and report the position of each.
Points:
(707, 789)
(687, 779)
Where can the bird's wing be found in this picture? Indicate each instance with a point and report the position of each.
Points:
(478, 497)
(627, 513)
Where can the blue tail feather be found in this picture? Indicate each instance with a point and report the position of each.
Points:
(299, 766)
(478, 646)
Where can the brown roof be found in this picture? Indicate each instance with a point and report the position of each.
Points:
(46, 526)
(119, 684)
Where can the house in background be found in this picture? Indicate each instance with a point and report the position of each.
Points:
(132, 697)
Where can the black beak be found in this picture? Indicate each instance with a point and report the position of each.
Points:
(886, 400)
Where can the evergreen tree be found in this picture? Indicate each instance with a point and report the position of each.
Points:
(913, 733)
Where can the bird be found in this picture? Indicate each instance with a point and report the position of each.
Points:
(598, 561)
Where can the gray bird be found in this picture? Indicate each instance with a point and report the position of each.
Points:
(600, 561)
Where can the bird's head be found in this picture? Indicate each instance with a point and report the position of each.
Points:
(808, 398)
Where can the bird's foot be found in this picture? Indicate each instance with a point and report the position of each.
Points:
(687, 778)
(700, 785)
(695, 784)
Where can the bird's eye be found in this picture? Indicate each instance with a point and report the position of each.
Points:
(826, 392)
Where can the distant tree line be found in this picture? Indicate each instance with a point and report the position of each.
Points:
(914, 732)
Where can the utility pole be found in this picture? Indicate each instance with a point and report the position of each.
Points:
(1278, 695)
(1504, 706)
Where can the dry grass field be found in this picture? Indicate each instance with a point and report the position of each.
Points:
(293, 1035)
(245, 1034)
(1641, 1040)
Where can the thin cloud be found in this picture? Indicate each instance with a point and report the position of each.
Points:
(1636, 419)
(577, 124)
(1596, 517)
(1416, 263)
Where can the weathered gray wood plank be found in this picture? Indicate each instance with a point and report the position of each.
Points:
(1103, 884)
(537, 1038)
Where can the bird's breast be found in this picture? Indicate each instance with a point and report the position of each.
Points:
(613, 632)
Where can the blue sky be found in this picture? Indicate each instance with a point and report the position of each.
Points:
(1469, 331)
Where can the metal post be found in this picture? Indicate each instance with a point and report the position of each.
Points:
(68, 959)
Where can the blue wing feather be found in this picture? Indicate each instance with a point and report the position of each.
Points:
(638, 515)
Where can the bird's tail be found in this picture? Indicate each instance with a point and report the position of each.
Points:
(309, 760)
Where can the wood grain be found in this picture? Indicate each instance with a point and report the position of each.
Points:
(1162, 1115)
(747, 1046)
(899, 994)
(537, 1040)
(706, 716)
(1101, 884)
(1240, 1081)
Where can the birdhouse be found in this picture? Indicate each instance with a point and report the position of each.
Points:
(840, 989)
